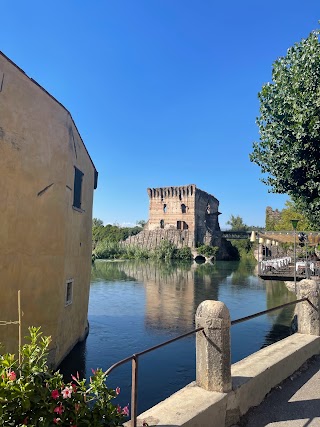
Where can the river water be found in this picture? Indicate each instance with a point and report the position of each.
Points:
(138, 304)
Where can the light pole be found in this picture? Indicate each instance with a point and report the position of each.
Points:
(294, 223)
(253, 237)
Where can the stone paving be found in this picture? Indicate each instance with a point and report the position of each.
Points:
(294, 403)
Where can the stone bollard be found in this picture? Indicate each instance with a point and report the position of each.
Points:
(308, 317)
(213, 361)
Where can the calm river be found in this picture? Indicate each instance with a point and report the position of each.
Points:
(135, 305)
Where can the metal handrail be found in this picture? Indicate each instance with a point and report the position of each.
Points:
(134, 358)
(260, 313)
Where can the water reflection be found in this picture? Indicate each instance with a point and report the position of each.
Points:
(135, 305)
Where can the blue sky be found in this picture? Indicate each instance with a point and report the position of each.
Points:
(163, 92)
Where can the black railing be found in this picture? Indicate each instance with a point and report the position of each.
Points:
(135, 357)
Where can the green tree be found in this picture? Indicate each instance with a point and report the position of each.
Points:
(141, 223)
(96, 222)
(236, 223)
(289, 123)
(287, 214)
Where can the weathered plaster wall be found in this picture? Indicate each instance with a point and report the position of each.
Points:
(44, 241)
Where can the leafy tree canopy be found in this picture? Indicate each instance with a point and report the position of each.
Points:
(236, 223)
(113, 233)
(96, 222)
(286, 215)
(289, 124)
(141, 223)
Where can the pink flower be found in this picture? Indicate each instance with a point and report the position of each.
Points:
(12, 376)
(118, 390)
(74, 387)
(119, 409)
(59, 409)
(56, 420)
(55, 394)
(66, 392)
(125, 410)
(93, 371)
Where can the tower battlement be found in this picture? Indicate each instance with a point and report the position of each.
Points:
(164, 192)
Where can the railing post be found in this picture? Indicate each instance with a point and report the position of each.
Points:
(308, 317)
(213, 361)
(134, 391)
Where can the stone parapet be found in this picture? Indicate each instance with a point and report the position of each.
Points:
(252, 379)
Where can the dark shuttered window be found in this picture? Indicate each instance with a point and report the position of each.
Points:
(77, 188)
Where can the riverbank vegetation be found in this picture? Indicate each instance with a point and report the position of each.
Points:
(108, 243)
(118, 250)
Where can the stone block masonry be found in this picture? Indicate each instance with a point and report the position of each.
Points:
(185, 215)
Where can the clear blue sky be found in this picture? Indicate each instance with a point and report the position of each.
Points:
(163, 92)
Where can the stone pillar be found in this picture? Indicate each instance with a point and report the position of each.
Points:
(213, 361)
(308, 317)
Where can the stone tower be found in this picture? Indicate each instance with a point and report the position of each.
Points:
(187, 211)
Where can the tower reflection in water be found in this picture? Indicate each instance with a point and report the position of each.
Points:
(135, 305)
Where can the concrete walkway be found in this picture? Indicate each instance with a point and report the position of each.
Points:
(295, 403)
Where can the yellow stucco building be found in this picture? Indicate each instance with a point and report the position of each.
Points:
(47, 180)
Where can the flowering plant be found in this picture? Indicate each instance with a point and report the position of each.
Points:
(31, 395)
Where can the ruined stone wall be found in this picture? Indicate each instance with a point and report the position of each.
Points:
(206, 219)
(272, 217)
(150, 239)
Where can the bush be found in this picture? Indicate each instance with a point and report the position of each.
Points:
(165, 251)
(32, 395)
(208, 251)
(184, 253)
(108, 250)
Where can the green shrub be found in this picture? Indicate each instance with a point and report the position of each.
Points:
(208, 251)
(108, 250)
(166, 250)
(184, 253)
(32, 395)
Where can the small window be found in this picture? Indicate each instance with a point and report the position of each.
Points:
(164, 208)
(69, 292)
(162, 223)
(179, 225)
(77, 188)
(183, 208)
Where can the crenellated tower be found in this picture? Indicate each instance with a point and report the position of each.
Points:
(185, 209)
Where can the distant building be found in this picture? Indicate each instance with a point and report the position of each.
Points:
(186, 215)
(47, 180)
